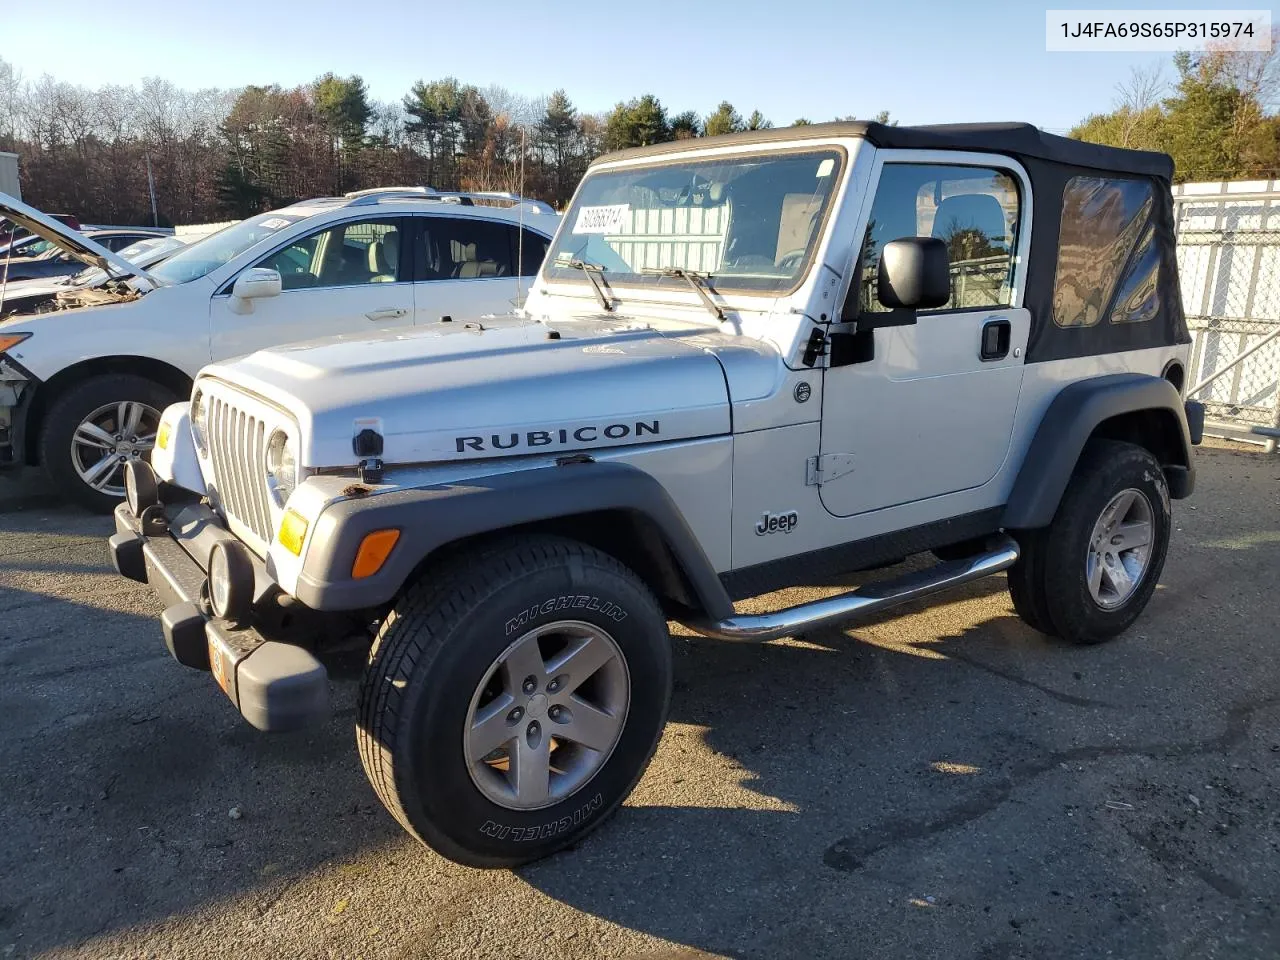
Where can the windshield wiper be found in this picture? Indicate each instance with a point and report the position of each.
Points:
(595, 273)
(696, 280)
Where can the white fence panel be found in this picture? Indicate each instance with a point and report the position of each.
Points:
(1229, 264)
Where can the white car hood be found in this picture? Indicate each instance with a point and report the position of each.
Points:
(462, 392)
(73, 242)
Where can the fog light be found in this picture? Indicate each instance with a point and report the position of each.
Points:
(293, 531)
(373, 552)
(230, 579)
(140, 487)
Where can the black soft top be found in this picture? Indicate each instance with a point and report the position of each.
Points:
(1013, 139)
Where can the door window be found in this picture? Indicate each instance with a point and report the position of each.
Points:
(457, 248)
(348, 254)
(976, 211)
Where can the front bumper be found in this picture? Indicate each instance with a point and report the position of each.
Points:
(276, 686)
(15, 403)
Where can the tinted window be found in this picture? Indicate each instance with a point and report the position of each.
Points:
(1101, 223)
(533, 252)
(457, 248)
(349, 254)
(974, 210)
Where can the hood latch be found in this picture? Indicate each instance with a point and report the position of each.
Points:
(367, 445)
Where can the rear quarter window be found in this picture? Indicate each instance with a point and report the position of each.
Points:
(1102, 222)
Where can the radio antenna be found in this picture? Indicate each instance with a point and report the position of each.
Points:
(524, 139)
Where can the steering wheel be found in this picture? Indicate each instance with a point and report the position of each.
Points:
(749, 261)
(791, 260)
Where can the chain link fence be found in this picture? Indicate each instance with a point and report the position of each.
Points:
(1229, 263)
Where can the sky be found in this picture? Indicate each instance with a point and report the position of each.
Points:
(925, 62)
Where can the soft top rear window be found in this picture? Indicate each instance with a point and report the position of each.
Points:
(1102, 219)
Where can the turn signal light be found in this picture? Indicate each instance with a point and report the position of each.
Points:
(293, 531)
(373, 552)
(10, 340)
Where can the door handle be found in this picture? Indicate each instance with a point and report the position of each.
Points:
(995, 339)
(387, 314)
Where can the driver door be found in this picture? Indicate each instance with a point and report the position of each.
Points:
(929, 409)
(347, 278)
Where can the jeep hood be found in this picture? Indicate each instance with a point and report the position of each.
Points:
(506, 387)
(77, 244)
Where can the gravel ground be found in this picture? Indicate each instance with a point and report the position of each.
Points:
(947, 784)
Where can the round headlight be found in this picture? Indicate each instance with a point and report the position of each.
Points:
(282, 467)
(230, 579)
(140, 487)
(199, 421)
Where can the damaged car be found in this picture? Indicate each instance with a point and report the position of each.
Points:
(84, 377)
(24, 296)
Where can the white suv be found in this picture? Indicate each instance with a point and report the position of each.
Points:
(83, 380)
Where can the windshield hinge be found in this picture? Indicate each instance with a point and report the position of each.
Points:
(827, 467)
(815, 348)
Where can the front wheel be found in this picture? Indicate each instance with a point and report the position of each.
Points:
(93, 429)
(1088, 576)
(512, 701)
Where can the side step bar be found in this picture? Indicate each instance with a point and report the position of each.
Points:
(866, 600)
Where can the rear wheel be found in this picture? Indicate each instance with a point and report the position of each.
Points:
(1090, 574)
(94, 428)
(511, 703)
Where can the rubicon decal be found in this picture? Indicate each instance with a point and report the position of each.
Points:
(558, 436)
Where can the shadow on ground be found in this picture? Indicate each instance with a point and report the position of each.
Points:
(947, 784)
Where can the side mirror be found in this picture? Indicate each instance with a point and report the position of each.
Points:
(914, 274)
(256, 283)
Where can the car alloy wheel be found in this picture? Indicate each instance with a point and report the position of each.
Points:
(1119, 550)
(110, 437)
(547, 715)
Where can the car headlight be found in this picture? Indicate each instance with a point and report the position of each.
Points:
(282, 467)
(199, 422)
(231, 579)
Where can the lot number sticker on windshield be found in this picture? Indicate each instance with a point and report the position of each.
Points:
(603, 219)
(275, 223)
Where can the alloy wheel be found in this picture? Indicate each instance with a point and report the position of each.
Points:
(110, 437)
(547, 715)
(1119, 551)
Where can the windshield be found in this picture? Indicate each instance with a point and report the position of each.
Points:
(747, 223)
(143, 254)
(222, 247)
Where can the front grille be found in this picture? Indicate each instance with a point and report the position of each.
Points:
(238, 448)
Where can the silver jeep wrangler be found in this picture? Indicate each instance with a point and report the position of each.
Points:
(748, 362)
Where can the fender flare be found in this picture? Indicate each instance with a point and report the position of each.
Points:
(1070, 420)
(433, 517)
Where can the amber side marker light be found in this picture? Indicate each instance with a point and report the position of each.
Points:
(9, 340)
(373, 552)
(162, 435)
(293, 531)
